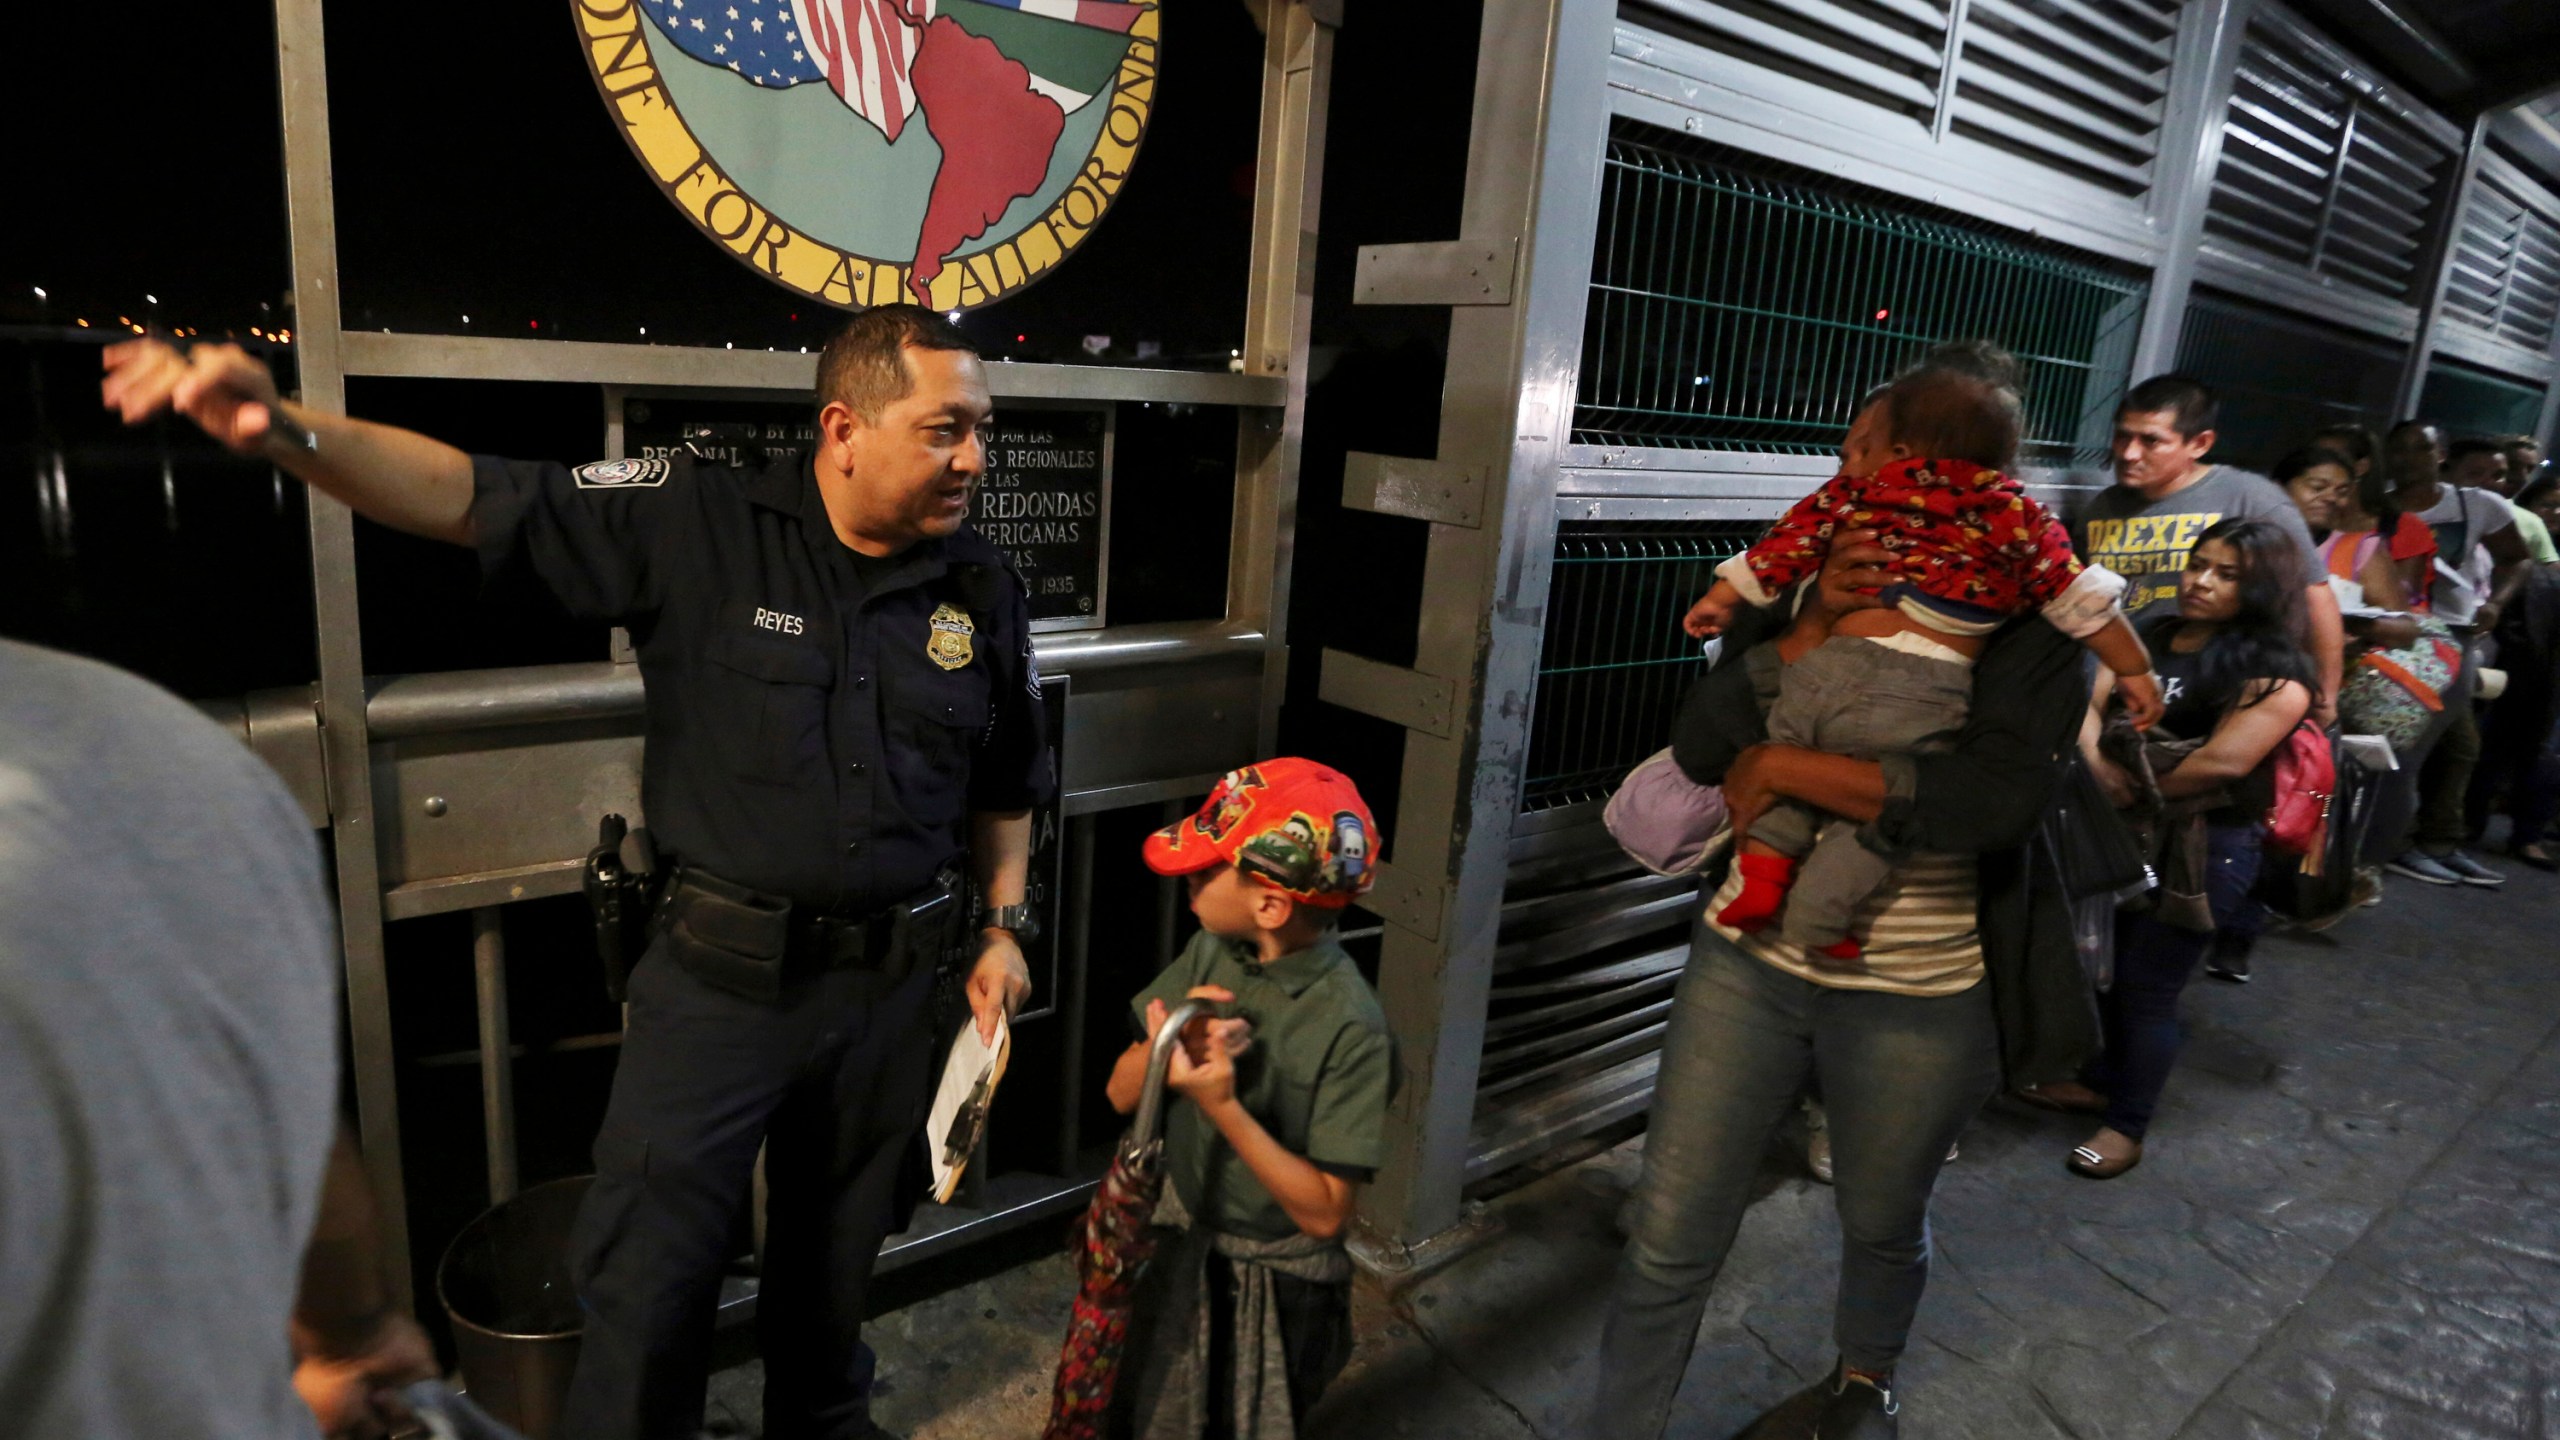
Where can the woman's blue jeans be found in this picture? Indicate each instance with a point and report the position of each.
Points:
(1900, 1074)
(2153, 964)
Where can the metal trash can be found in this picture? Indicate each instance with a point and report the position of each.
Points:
(504, 1283)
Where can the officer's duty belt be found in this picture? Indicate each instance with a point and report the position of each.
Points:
(744, 940)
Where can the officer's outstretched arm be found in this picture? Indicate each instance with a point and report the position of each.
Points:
(394, 477)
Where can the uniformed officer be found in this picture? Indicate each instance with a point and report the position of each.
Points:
(842, 701)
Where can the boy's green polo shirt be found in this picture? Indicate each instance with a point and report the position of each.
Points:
(1317, 1076)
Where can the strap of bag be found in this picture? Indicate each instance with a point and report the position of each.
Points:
(2418, 689)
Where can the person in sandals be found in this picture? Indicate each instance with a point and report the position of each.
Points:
(1245, 1316)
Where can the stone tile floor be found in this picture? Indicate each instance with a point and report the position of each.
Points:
(2348, 1225)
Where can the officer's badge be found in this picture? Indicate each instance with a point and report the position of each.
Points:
(949, 640)
(621, 474)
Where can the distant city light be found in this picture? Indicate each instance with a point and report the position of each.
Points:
(254, 330)
(40, 292)
(1881, 314)
(150, 299)
(466, 319)
(644, 329)
(84, 324)
(536, 324)
(955, 317)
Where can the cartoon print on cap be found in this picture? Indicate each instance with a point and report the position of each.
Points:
(1237, 803)
(1350, 859)
(1288, 855)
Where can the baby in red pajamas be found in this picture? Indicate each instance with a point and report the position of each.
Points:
(1971, 550)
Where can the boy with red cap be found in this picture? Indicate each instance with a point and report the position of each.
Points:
(1246, 1314)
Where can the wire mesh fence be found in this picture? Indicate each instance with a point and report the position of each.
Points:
(1615, 661)
(2470, 403)
(2281, 377)
(1735, 306)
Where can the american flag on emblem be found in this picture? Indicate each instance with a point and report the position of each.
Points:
(866, 48)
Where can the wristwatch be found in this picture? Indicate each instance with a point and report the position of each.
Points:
(1022, 920)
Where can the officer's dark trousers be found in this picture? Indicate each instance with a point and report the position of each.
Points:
(837, 1074)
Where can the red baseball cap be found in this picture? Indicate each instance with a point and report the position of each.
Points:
(1297, 826)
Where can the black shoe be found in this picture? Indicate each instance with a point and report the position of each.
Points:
(1858, 1410)
(2234, 968)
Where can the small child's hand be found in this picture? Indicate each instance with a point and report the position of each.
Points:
(1209, 1081)
(1196, 1035)
(2142, 704)
(1713, 612)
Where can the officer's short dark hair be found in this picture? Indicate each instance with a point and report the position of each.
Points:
(1946, 414)
(2191, 403)
(2462, 450)
(865, 366)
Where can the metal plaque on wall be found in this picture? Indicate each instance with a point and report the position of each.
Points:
(1045, 502)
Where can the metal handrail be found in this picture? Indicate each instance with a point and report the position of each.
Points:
(400, 707)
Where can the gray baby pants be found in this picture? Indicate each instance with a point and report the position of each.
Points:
(1851, 696)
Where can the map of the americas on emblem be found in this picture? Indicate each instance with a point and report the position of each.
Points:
(945, 152)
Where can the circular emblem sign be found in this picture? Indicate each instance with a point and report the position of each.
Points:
(863, 152)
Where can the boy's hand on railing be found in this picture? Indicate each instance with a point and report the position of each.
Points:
(1209, 1081)
(1197, 1035)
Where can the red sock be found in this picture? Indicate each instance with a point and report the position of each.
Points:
(1765, 879)
(1844, 948)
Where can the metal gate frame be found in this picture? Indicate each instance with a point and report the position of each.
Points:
(1217, 683)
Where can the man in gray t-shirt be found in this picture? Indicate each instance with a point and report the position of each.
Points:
(168, 1062)
(2144, 526)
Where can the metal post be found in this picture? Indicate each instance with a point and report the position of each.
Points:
(2204, 62)
(1078, 939)
(2441, 249)
(497, 1048)
(1297, 86)
(303, 83)
(1534, 154)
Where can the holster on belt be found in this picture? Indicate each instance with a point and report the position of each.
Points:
(622, 896)
(753, 944)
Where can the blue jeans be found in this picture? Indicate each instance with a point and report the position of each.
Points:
(2153, 964)
(1900, 1074)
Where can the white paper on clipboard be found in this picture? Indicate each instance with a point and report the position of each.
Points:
(961, 1102)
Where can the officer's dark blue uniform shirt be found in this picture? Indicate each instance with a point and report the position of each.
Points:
(820, 724)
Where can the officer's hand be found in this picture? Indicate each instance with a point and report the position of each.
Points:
(220, 387)
(999, 984)
(359, 1394)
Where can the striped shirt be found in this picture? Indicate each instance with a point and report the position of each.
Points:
(1920, 929)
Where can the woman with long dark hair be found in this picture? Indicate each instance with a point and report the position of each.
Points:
(2237, 681)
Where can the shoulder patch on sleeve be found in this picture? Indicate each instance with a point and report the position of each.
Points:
(621, 474)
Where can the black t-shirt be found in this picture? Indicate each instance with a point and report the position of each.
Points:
(2190, 711)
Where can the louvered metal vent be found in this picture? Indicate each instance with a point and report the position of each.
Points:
(2324, 168)
(1740, 305)
(2282, 376)
(2505, 278)
(2081, 85)
(1888, 53)
(2077, 86)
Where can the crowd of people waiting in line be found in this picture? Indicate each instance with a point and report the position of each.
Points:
(2385, 605)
